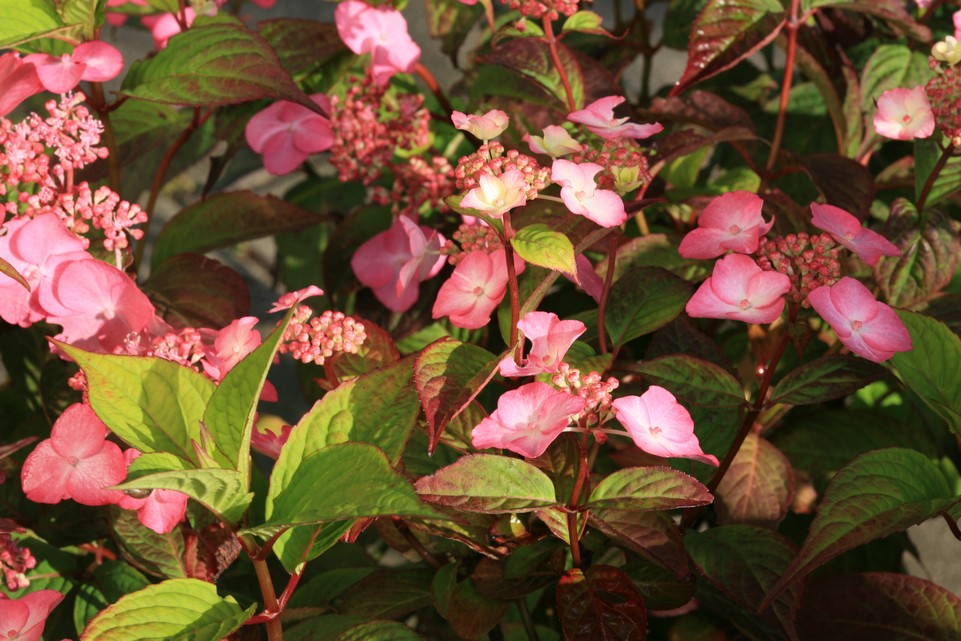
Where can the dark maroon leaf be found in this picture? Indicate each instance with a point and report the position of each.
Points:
(701, 108)
(891, 12)
(387, 594)
(928, 260)
(448, 375)
(301, 45)
(209, 551)
(684, 142)
(743, 562)
(472, 614)
(845, 183)
(661, 588)
(601, 603)
(694, 381)
(531, 58)
(190, 290)
(758, 487)
(726, 32)
(653, 535)
(877, 605)
(826, 378)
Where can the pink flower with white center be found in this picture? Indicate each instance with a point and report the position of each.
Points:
(475, 289)
(904, 114)
(19, 80)
(161, 510)
(580, 193)
(740, 290)
(231, 345)
(497, 195)
(550, 339)
(35, 247)
(528, 419)
(555, 142)
(381, 32)
(599, 118)
(847, 230)
(91, 61)
(732, 222)
(166, 26)
(97, 305)
(23, 619)
(486, 127)
(395, 262)
(865, 326)
(76, 462)
(287, 133)
(660, 425)
(290, 299)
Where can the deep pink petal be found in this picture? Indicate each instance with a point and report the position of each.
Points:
(92, 475)
(104, 62)
(528, 419)
(281, 155)
(19, 80)
(78, 432)
(702, 243)
(44, 475)
(163, 510)
(58, 74)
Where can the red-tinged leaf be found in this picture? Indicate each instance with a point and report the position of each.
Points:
(726, 32)
(448, 375)
(702, 108)
(758, 487)
(928, 260)
(742, 562)
(227, 219)
(212, 65)
(601, 603)
(388, 594)
(693, 380)
(8, 269)
(190, 290)
(210, 551)
(824, 379)
(301, 45)
(684, 142)
(472, 614)
(531, 58)
(845, 183)
(489, 484)
(653, 535)
(640, 489)
(661, 588)
(890, 11)
(877, 494)
(586, 22)
(878, 605)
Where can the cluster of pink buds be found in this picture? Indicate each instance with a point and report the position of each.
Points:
(417, 183)
(104, 210)
(185, 347)
(944, 94)
(625, 166)
(314, 339)
(70, 130)
(551, 9)
(15, 561)
(471, 238)
(810, 261)
(595, 391)
(492, 159)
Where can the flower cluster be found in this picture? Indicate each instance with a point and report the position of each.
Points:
(593, 388)
(14, 562)
(809, 260)
(313, 339)
(492, 159)
(548, 9)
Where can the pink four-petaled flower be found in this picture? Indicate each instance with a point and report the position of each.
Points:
(93, 61)
(23, 619)
(867, 327)
(904, 114)
(555, 142)
(582, 197)
(599, 118)
(287, 133)
(660, 425)
(550, 339)
(528, 419)
(732, 222)
(740, 290)
(847, 230)
(381, 32)
(475, 288)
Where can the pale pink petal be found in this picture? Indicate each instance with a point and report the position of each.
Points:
(739, 290)
(281, 155)
(847, 230)
(555, 142)
(605, 208)
(474, 290)
(904, 114)
(78, 432)
(599, 118)
(486, 127)
(660, 425)
(58, 74)
(588, 279)
(290, 299)
(104, 62)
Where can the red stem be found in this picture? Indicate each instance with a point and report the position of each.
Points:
(583, 469)
(556, 58)
(602, 304)
(513, 289)
(792, 26)
(434, 87)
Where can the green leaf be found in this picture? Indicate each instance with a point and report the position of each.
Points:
(539, 245)
(877, 494)
(157, 554)
(585, 22)
(678, 19)
(758, 487)
(449, 374)
(926, 154)
(743, 562)
(648, 488)
(449, 21)
(600, 602)
(223, 492)
(531, 58)
(878, 605)
(357, 481)
(725, 33)
(229, 416)
(490, 484)
(34, 19)
(111, 580)
(175, 610)
(212, 65)
(932, 368)
(889, 67)
(226, 219)
(88, 15)
(153, 404)
(190, 290)
(928, 260)
(824, 379)
(693, 380)
(642, 301)
(388, 594)
(379, 631)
